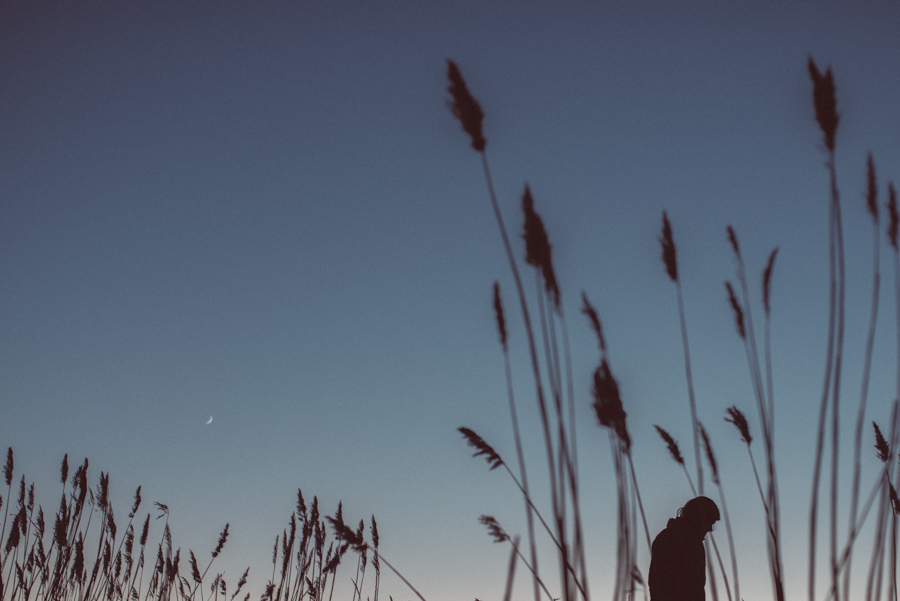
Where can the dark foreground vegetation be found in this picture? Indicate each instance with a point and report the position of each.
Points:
(546, 326)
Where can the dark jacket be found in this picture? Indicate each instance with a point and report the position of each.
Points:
(677, 565)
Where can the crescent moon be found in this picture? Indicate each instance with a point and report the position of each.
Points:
(209, 421)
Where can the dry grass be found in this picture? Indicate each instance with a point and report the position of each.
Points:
(610, 410)
(75, 562)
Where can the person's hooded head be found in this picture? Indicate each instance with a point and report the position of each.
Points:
(699, 515)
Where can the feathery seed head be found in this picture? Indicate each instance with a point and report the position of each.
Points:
(103, 491)
(871, 188)
(893, 213)
(734, 416)
(107, 555)
(482, 448)
(738, 312)
(732, 239)
(222, 538)
(78, 567)
(40, 522)
(709, 454)
(881, 446)
(301, 506)
(494, 529)
(588, 309)
(895, 501)
(767, 280)
(8, 468)
(537, 246)
(339, 514)
(668, 248)
(671, 444)
(374, 533)
(145, 531)
(241, 582)
(64, 470)
(825, 102)
(195, 571)
(59, 528)
(137, 502)
(111, 524)
(346, 534)
(15, 533)
(608, 403)
(498, 314)
(465, 107)
(314, 510)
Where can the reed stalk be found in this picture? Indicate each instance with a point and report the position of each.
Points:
(499, 315)
(872, 206)
(825, 103)
(670, 261)
(765, 407)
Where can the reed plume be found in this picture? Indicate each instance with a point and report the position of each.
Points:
(465, 107)
(737, 311)
(894, 217)
(481, 448)
(675, 453)
(825, 102)
(538, 251)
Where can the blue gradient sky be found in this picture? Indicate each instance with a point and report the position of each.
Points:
(265, 213)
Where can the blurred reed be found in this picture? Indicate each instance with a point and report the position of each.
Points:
(610, 412)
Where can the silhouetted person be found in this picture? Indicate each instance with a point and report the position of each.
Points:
(678, 562)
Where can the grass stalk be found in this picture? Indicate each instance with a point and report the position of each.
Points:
(542, 405)
(872, 203)
(825, 103)
(511, 571)
(520, 455)
(765, 407)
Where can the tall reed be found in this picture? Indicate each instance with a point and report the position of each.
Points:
(559, 450)
(559, 428)
(825, 103)
(872, 207)
(744, 325)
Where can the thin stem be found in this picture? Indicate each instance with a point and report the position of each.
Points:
(690, 385)
(523, 486)
(823, 408)
(721, 566)
(640, 503)
(835, 413)
(400, 576)
(532, 347)
(863, 396)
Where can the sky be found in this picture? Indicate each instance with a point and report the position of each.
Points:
(265, 214)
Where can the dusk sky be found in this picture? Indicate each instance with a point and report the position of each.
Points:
(265, 213)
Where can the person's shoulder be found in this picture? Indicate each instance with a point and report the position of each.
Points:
(666, 535)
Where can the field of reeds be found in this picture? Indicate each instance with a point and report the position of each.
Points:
(83, 552)
(872, 505)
